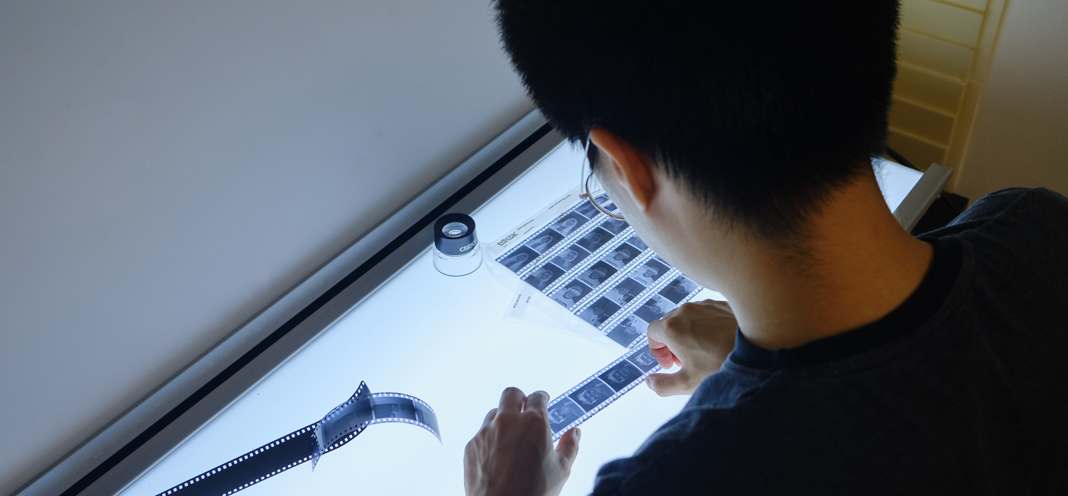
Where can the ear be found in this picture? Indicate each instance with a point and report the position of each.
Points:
(626, 167)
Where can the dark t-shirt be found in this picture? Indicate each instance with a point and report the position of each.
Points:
(963, 389)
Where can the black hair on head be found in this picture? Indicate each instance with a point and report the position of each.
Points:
(762, 108)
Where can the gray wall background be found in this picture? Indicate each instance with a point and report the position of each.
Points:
(167, 169)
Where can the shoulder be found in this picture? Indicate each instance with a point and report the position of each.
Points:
(1013, 207)
(1015, 229)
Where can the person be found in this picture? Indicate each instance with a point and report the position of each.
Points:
(620, 257)
(566, 226)
(853, 358)
(557, 416)
(567, 258)
(596, 276)
(589, 398)
(572, 294)
(676, 290)
(623, 295)
(542, 243)
(618, 376)
(596, 315)
(649, 274)
(591, 241)
(516, 262)
(651, 309)
(541, 278)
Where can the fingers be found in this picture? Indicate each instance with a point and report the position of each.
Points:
(662, 354)
(489, 417)
(658, 344)
(656, 333)
(537, 401)
(511, 400)
(568, 447)
(670, 384)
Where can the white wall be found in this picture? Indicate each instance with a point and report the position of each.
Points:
(169, 168)
(1020, 133)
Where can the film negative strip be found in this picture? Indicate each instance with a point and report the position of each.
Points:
(309, 443)
(629, 325)
(541, 246)
(599, 390)
(600, 240)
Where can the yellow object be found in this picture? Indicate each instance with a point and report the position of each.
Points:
(944, 51)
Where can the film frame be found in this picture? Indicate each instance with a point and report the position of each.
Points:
(596, 392)
(600, 271)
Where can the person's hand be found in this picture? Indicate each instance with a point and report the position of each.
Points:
(513, 451)
(696, 336)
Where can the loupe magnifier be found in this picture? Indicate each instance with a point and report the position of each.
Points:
(456, 250)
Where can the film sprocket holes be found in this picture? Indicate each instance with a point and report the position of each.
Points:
(456, 250)
(341, 425)
(602, 273)
(601, 389)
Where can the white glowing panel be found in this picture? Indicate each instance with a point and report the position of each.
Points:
(895, 181)
(449, 342)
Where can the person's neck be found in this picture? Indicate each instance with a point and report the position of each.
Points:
(859, 266)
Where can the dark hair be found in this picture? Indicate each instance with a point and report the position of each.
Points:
(761, 108)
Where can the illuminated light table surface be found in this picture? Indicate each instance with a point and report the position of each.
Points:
(447, 341)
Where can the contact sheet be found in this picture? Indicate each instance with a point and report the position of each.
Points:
(600, 271)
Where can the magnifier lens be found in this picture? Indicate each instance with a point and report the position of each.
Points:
(456, 250)
(454, 229)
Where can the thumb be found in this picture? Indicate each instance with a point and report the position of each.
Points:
(670, 384)
(567, 448)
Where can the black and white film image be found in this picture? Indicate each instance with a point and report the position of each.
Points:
(563, 413)
(597, 274)
(568, 223)
(628, 330)
(543, 241)
(621, 255)
(542, 277)
(678, 289)
(594, 239)
(570, 256)
(625, 291)
(649, 272)
(620, 375)
(571, 293)
(636, 241)
(643, 359)
(519, 258)
(654, 308)
(587, 210)
(386, 407)
(592, 394)
(615, 226)
(599, 312)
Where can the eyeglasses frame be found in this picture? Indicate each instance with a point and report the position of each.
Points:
(584, 183)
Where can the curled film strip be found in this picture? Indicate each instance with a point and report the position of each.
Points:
(309, 443)
(599, 390)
